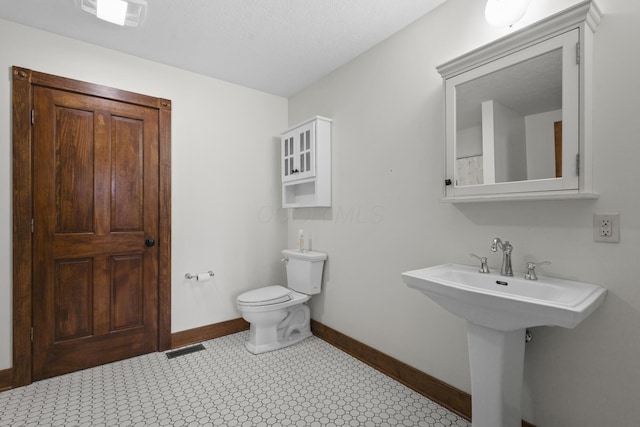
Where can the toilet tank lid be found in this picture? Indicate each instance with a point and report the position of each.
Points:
(306, 255)
(266, 295)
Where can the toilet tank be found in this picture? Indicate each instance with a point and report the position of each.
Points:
(304, 270)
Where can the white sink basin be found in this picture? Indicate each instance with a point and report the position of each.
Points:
(498, 309)
(506, 303)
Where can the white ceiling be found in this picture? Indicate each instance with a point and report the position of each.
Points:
(276, 46)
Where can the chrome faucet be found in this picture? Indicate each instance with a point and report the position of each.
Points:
(506, 249)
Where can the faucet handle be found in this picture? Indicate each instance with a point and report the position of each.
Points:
(531, 269)
(484, 268)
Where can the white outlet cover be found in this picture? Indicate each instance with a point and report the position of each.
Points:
(614, 219)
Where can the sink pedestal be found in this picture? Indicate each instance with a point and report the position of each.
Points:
(497, 363)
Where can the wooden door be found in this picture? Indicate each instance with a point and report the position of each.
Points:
(557, 135)
(95, 210)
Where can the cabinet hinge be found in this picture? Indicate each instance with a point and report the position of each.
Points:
(578, 53)
(578, 164)
(33, 116)
(32, 334)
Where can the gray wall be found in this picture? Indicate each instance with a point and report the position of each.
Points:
(388, 151)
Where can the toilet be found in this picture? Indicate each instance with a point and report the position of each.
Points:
(279, 315)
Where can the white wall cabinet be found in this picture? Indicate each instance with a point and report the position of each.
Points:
(306, 164)
(501, 89)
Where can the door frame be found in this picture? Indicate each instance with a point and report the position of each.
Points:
(23, 80)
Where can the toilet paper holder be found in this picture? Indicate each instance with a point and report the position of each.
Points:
(198, 275)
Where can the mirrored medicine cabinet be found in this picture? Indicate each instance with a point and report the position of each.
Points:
(518, 113)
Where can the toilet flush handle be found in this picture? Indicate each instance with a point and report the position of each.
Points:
(285, 260)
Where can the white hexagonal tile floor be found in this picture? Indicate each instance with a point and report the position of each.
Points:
(309, 384)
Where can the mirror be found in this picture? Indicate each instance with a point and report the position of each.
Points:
(517, 113)
(509, 123)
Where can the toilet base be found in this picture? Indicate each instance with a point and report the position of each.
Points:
(258, 349)
(294, 327)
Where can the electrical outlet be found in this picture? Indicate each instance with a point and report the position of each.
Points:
(606, 228)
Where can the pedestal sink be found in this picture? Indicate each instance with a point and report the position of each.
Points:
(498, 309)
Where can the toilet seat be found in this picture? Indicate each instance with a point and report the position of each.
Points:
(269, 298)
(265, 296)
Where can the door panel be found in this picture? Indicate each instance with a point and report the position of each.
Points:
(95, 291)
(74, 156)
(127, 178)
(127, 291)
(73, 299)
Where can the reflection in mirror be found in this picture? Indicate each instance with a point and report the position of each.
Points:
(509, 123)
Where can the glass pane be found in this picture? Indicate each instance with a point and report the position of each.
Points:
(302, 167)
(291, 146)
(308, 139)
(286, 147)
(286, 167)
(506, 118)
(302, 141)
(308, 155)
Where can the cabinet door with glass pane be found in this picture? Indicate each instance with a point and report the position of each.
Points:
(298, 153)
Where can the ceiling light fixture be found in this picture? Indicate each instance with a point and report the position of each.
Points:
(114, 11)
(128, 13)
(505, 13)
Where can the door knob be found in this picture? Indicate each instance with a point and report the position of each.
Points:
(149, 243)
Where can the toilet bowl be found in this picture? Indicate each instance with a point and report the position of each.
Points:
(278, 315)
